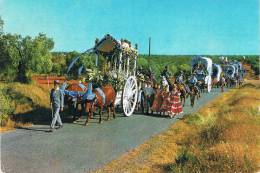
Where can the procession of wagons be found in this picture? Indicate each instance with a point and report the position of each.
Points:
(121, 70)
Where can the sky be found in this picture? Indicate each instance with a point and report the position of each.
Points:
(222, 27)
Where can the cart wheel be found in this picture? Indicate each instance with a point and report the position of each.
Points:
(130, 95)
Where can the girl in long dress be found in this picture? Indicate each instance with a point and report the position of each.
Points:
(176, 106)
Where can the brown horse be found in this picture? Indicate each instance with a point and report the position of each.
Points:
(184, 93)
(74, 102)
(215, 83)
(110, 95)
(193, 93)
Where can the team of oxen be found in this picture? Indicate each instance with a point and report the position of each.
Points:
(204, 75)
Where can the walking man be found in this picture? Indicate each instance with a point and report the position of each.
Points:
(57, 104)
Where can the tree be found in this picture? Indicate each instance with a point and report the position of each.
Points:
(142, 62)
(21, 57)
(9, 56)
(184, 67)
(172, 68)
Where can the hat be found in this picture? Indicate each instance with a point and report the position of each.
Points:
(56, 81)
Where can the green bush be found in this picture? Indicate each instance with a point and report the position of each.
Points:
(6, 107)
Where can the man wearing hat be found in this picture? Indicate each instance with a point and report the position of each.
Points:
(57, 104)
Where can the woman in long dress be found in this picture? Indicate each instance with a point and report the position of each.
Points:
(166, 103)
(157, 100)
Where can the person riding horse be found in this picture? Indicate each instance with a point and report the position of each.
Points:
(194, 89)
(193, 80)
(166, 77)
(166, 73)
(180, 78)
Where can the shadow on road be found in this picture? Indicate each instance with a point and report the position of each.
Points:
(41, 129)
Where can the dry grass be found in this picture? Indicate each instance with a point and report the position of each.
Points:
(25, 98)
(11, 125)
(38, 96)
(223, 136)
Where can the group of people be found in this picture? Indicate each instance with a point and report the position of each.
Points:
(163, 99)
(166, 101)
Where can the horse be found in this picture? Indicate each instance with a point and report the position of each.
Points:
(109, 102)
(74, 101)
(184, 93)
(215, 83)
(194, 91)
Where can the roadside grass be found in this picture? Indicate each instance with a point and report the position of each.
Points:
(27, 103)
(223, 136)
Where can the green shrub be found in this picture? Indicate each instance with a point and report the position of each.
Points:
(6, 107)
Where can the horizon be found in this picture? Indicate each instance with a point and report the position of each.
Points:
(176, 28)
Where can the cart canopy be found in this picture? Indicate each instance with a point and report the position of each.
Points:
(207, 62)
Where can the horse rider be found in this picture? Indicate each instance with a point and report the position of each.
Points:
(166, 75)
(193, 80)
(165, 84)
(57, 104)
(180, 78)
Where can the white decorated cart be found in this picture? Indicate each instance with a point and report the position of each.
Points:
(121, 59)
(207, 66)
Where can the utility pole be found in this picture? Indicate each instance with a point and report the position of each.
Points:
(149, 47)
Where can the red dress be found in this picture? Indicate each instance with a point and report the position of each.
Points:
(166, 104)
(157, 101)
(176, 106)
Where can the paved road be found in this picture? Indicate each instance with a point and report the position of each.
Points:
(77, 149)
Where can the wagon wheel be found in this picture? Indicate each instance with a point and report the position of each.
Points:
(130, 94)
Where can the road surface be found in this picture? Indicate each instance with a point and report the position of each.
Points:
(79, 149)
